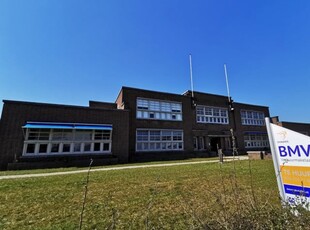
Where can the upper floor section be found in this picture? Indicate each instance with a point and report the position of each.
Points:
(198, 111)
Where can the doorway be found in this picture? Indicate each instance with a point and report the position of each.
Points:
(215, 143)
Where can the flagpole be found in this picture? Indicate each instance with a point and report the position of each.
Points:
(231, 108)
(274, 158)
(227, 86)
(191, 74)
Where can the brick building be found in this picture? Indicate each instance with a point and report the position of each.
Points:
(141, 125)
(303, 128)
(165, 125)
(38, 135)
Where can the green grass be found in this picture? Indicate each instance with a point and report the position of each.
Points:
(35, 171)
(178, 197)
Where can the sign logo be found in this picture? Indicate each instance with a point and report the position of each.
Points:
(282, 134)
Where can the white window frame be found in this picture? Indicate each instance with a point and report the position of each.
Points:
(212, 115)
(252, 141)
(251, 117)
(61, 142)
(172, 142)
(154, 109)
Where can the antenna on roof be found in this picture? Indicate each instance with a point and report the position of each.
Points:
(191, 73)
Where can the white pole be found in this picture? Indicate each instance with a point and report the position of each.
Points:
(274, 158)
(191, 73)
(227, 86)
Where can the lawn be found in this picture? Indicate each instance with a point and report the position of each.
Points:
(178, 197)
(35, 171)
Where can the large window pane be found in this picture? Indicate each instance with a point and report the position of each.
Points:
(142, 104)
(255, 140)
(66, 141)
(252, 118)
(83, 135)
(154, 135)
(97, 147)
(87, 147)
(159, 140)
(66, 147)
(77, 147)
(206, 114)
(106, 146)
(42, 148)
(142, 135)
(102, 135)
(38, 134)
(30, 148)
(157, 109)
(55, 148)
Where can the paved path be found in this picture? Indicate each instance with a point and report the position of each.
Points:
(117, 168)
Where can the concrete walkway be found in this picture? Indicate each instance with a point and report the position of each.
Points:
(118, 168)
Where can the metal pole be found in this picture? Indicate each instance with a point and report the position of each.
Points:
(227, 86)
(274, 158)
(235, 151)
(191, 73)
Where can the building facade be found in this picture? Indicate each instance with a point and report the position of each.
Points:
(141, 125)
(39, 135)
(183, 124)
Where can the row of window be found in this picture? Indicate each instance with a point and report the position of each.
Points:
(256, 141)
(159, 116)
(65, 141)
(159, 140)
(165, 110)
(31, 148)
(160, 110)
(206, 114)
(252, 118)
(169, 140)
(67, 134)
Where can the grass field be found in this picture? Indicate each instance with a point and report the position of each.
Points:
(180, 197)
(35, 171)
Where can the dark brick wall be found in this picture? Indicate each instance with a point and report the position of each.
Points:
(16, 114)
(127, 99)
(234, 118)
(123, 119)
(298, 127)
(303, 128)
(241, 129)
(102, 105)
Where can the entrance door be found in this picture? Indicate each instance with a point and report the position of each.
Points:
(215, 142)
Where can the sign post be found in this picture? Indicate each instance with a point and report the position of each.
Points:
(291, 158)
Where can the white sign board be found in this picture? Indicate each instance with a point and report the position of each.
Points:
(291, 156)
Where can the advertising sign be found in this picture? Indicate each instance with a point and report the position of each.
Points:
(291, 157)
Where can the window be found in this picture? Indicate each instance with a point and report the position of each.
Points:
(30, 148)
(255, 140)
(252, 118)
(51, 141)
(159, 140)
(159, 110)
(213, 115)
(38, 134)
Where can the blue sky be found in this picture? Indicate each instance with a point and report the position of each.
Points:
(69, 52)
